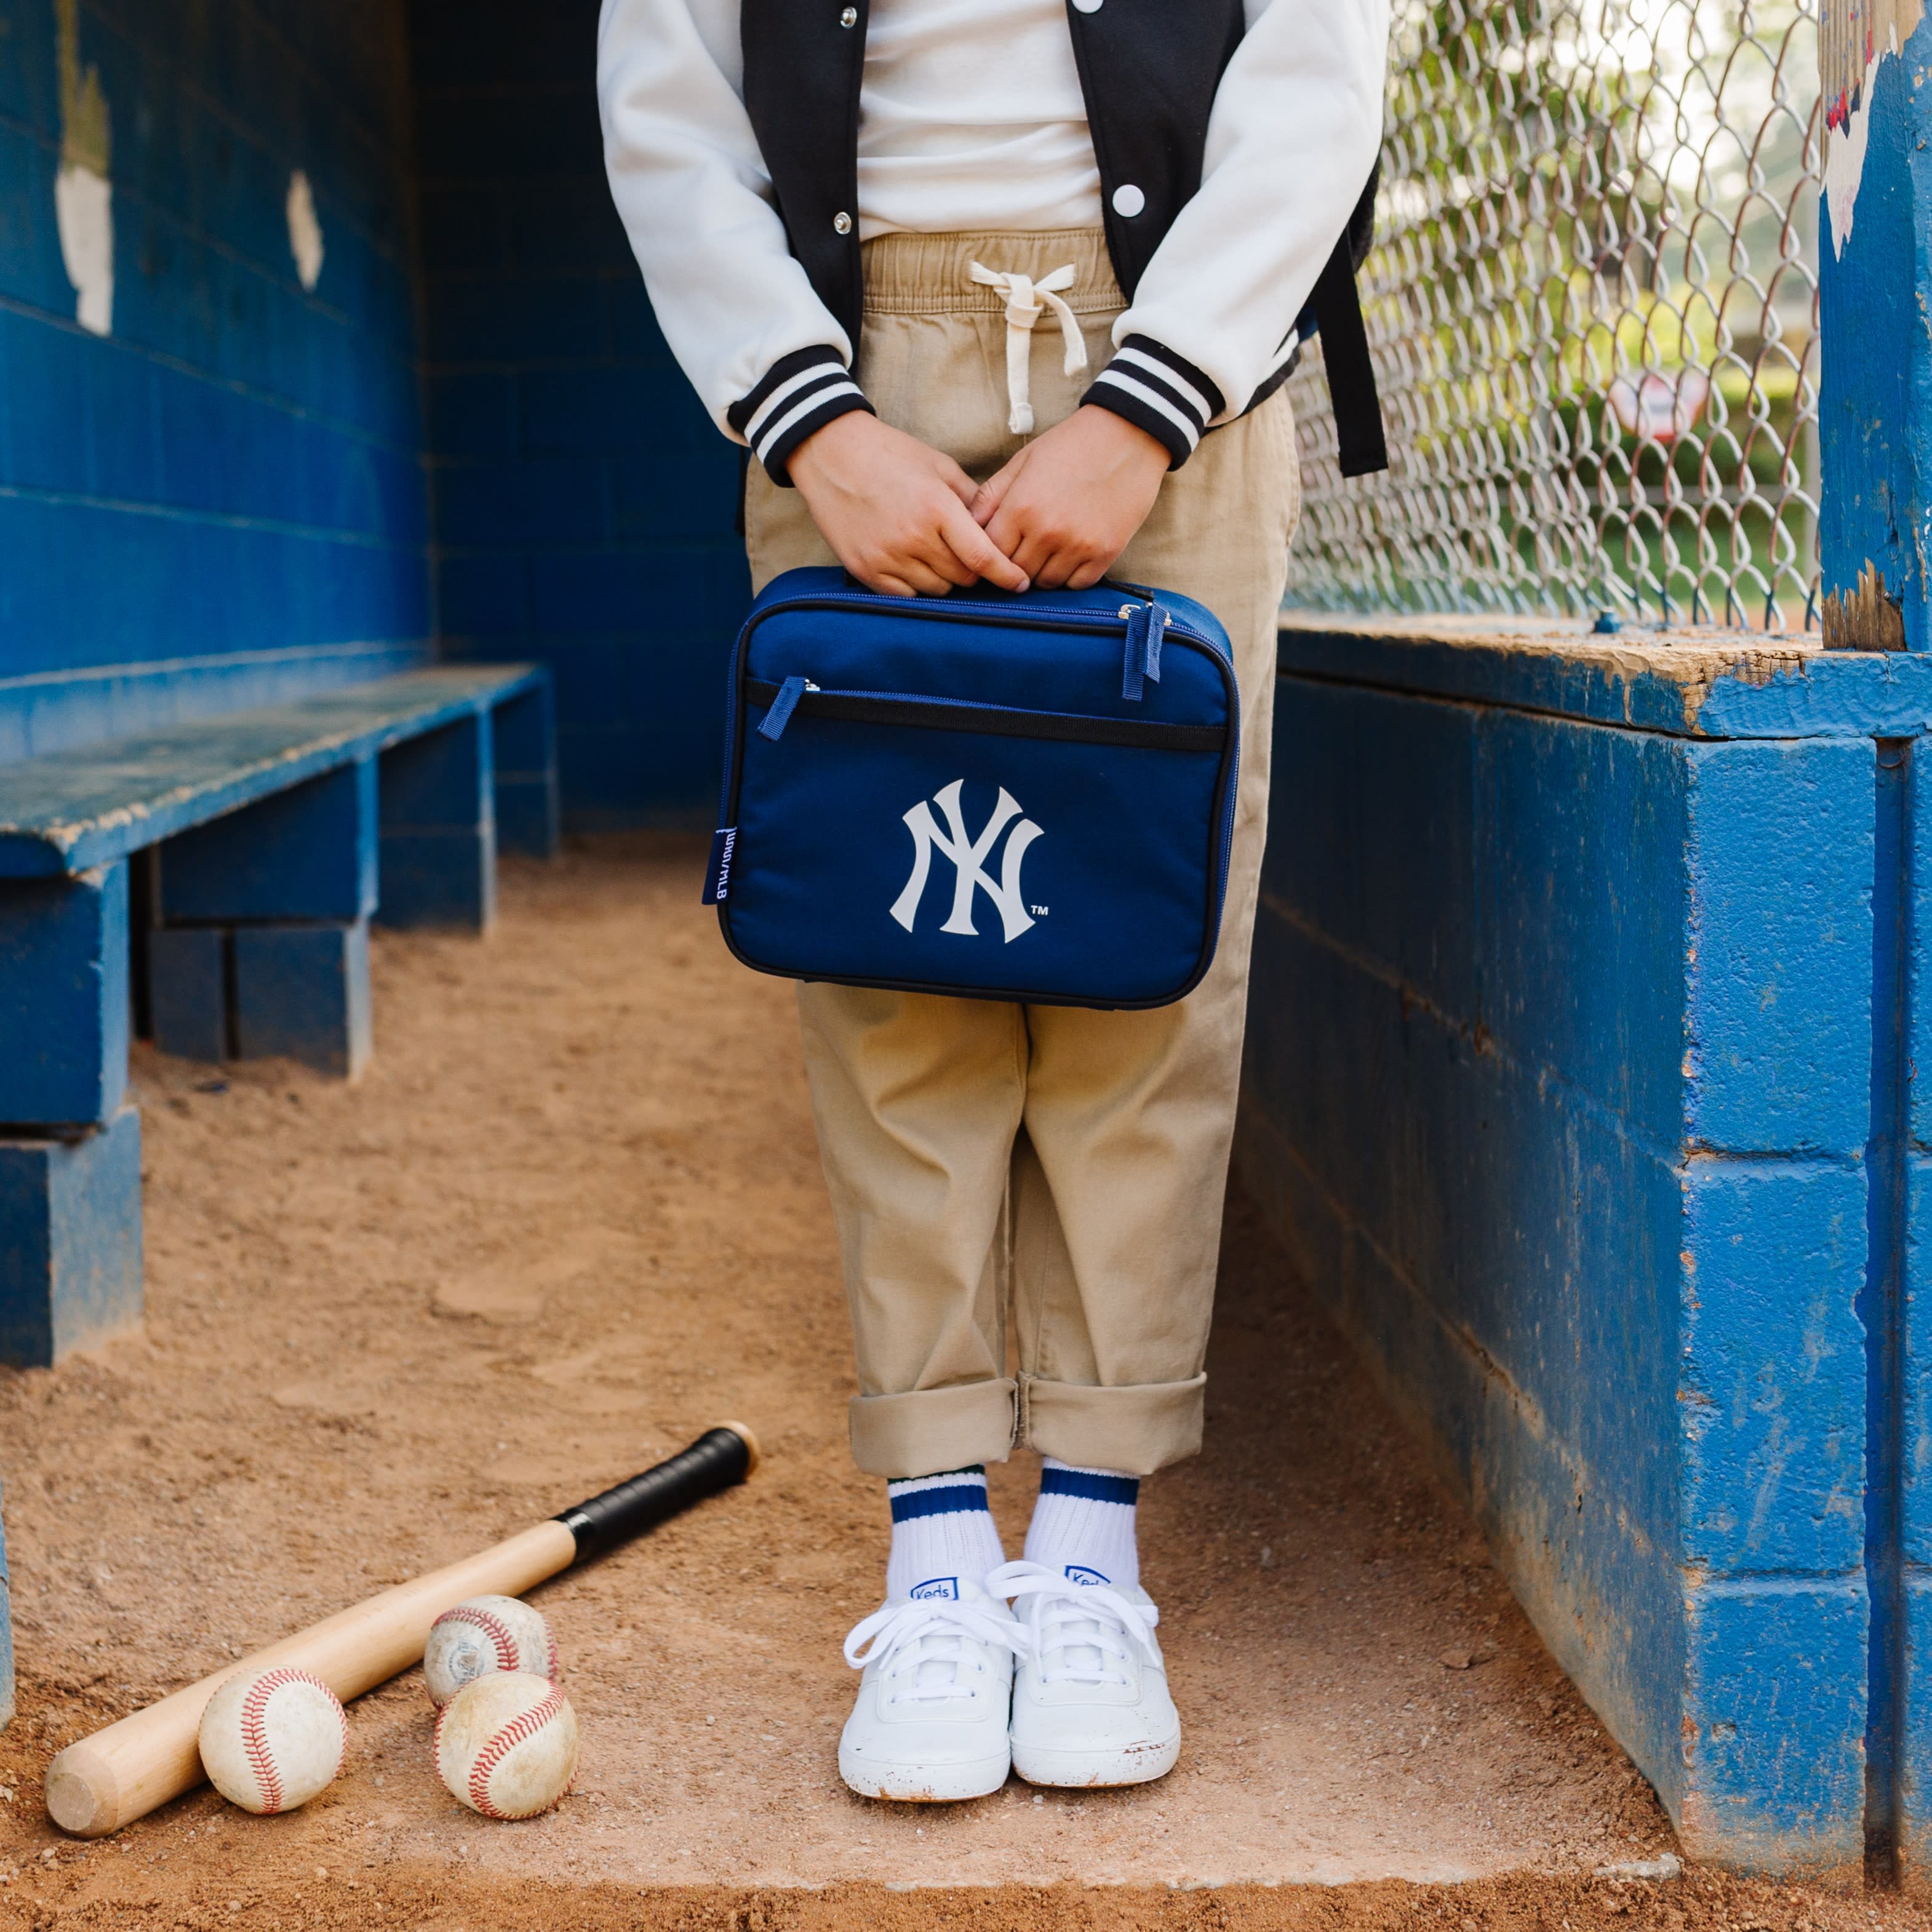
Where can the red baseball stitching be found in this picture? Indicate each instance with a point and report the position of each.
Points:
(527, 1724)
(255, 1731)
(551, 1673)
(492, 1626)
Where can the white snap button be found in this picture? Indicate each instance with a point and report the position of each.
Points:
(1087, 6)
(1128, 199)
(842, 222)
(850, 18)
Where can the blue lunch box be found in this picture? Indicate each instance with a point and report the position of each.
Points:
(994, 796)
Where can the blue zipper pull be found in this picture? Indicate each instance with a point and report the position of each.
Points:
(1147, 624)
(783, 705)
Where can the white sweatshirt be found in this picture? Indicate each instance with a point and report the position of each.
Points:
(1295, 128)
(970, 116)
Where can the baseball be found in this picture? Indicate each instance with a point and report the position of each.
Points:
(481, 1634)
(506, 1745)
(271, 1740)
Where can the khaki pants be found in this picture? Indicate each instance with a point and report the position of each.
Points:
(1066, 1163)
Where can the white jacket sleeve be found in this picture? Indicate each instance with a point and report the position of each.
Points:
(1296, 127)
(765, 355)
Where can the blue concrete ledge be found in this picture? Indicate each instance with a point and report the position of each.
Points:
(1586, 1000)
(1703, 683)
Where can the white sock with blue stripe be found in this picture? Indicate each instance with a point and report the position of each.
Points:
(943, 1534)
(1083, 1524)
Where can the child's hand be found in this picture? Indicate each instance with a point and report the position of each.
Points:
(895, 511)
(1070, 501)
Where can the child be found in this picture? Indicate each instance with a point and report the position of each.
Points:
(849, 219)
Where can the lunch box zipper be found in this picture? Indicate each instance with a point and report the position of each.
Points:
(949, 610)
(891, 707)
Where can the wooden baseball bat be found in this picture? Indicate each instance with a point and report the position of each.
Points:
(123, 1772)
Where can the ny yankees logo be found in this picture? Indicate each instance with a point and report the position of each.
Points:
(969, 858)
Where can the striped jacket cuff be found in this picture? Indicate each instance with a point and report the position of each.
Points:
(1160, 392)
(799, 393)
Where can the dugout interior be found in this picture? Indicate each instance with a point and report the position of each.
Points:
(1582, 1101)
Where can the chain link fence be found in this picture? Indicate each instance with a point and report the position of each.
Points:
(1593, 306)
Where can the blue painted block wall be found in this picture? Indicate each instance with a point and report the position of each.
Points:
(227, 498)
(584, 505)
(221, 500)
(1586, 981)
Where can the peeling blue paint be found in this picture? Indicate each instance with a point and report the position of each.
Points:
(1875, 511)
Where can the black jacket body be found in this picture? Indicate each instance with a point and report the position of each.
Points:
(1148, 68)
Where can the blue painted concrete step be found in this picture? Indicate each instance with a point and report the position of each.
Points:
(76, 810)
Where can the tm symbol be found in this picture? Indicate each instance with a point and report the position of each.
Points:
(1038, 912)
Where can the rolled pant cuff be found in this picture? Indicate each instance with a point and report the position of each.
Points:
(1136, 1430)
(928, 1430)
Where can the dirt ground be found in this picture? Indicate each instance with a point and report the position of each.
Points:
(572, 1217)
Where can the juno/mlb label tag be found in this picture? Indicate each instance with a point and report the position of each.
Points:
(718, 875)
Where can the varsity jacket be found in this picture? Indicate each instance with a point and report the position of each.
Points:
(1233, 138)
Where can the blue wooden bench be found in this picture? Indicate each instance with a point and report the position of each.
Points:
(213, 885)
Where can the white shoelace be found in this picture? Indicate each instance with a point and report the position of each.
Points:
(926, 1639)
(1024, 297)
(1081, 1633)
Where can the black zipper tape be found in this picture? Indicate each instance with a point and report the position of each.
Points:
(995, 721)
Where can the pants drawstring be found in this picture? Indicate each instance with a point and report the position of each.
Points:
(1026, 300)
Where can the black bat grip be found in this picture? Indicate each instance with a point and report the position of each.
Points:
(719, 1458)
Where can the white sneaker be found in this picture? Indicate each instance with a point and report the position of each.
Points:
(930, 1725)
(1091, 1705)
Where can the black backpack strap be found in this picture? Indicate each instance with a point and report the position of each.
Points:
(1337, 304)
